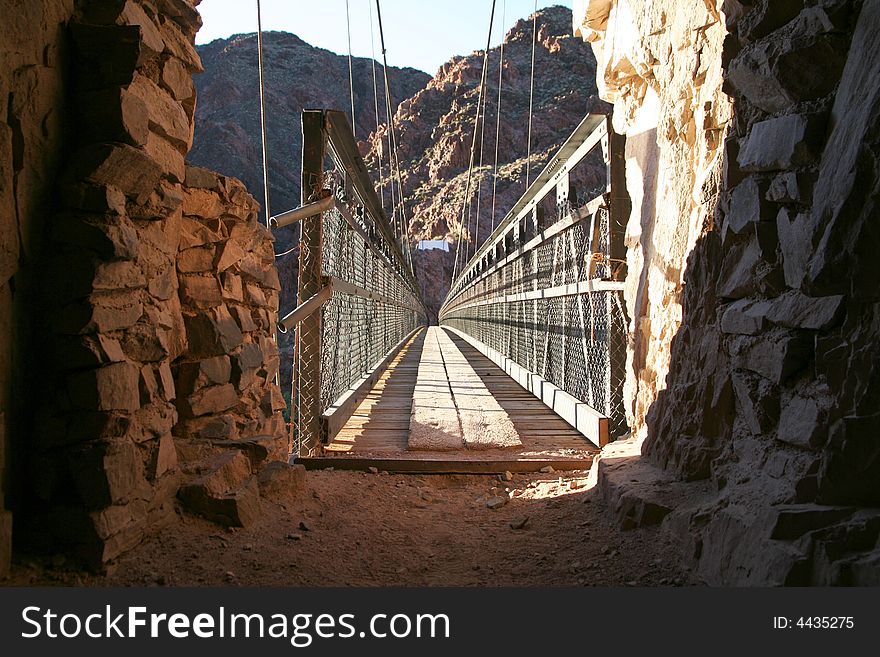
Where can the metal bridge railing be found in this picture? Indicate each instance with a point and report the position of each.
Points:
(543, 296)
(357, 298)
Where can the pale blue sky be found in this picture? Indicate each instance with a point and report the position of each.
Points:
(418, 33)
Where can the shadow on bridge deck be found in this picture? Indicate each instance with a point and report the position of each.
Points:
(377, 433)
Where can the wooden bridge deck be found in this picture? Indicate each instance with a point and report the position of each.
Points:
(378, 432)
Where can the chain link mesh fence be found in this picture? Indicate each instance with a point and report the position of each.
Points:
(544, 292)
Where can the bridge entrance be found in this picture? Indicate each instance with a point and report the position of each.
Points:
(526, 370)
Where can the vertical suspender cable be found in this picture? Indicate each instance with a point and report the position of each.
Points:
(467, 188)
(376, 102)
(531, 94)
(350, 70)
(498, 114)
(263, 112)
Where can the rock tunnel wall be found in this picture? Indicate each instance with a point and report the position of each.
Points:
(139, 296)
(753, 162)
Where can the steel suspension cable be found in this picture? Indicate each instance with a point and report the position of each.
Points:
(498, 115)
(265, 147)
(480, 169)
(531, 94)
(350, 68)
(467, 188)
(393, 157)
(376, 102)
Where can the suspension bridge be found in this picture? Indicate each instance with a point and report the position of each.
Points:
(526, 367)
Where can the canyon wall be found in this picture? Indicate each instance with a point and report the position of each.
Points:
(33, 87)
(752, 160)
(435, 130)
(139, 293)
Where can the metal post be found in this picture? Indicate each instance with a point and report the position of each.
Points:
(307, 387)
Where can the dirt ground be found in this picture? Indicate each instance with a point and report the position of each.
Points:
(366, 529)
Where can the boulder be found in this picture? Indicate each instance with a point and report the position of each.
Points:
(109, 388)
(775, 357)
(745, 317)
(796, 310)
(240, 508)
(200, 291)
(213, 400)
(124, 167)
(280, 481)
(802, 424)
(782, 143)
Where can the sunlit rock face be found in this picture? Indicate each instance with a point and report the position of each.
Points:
(752, 162)
(660, 64)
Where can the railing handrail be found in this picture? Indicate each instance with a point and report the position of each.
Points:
(586, 135)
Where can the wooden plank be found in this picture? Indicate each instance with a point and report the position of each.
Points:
(592, 424)
(445, 466)
(337, 415)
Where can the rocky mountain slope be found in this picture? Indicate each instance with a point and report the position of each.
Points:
(434, 123)
(435, 129)
(297, 76)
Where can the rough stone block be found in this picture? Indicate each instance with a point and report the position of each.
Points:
(122, 275)
(282, 481)
(167, 380)
(773, 357)
(151, 37)
(201, 178)
(757, 402)
(795, 520)
(163, 285)
(169, 158)
(796, 310)
(240, 508)
(109, 388)
(109, 473)
(244, 318)
(737, 278)
(113, 114)
(128, 169)
(111, 237)
(164, 456)
(791, 187)
(203, 203)
(775, 75)
(747, 206)
(200, 291)
(212, 400)
(167, 117)
(255, 295)
(107, 54)
(782, 143)
(218, 427)
(795, 241)
(250, 357)
(272, 400)
(212, 334)
(802, 423)
(195, 233)
(146, 343)
(230, 254)
(745, 317)
(195, 260)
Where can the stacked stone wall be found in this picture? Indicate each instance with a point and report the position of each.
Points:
(771, 390)
(143, 297)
